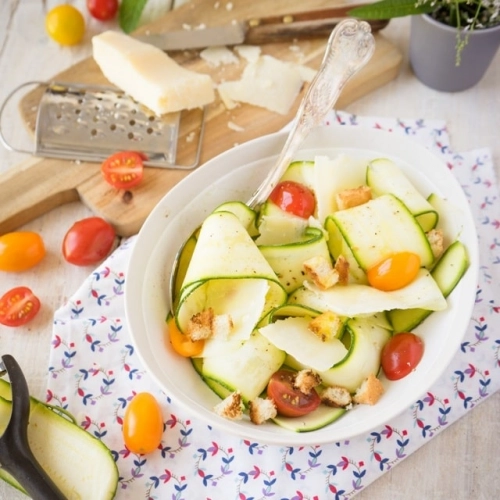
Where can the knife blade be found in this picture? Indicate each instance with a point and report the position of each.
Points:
(256, 31)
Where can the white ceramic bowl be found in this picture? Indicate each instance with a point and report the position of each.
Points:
(234, 175)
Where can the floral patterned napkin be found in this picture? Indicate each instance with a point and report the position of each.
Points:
(94, 372)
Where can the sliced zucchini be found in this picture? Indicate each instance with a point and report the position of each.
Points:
(364, 339)
(287, 260)
(379, 228)
(277, 227)
(301, 171)
(246, 215)
(78, 463)
(247, 369)
(320, 417)
(384, 177)
(338, 247)
(447, 273)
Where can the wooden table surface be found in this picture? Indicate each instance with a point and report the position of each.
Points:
(461, 462)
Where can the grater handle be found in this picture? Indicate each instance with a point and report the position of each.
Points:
(6, 101)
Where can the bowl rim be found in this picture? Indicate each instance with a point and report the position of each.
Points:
(247, 155)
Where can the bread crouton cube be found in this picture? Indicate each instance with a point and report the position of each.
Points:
(261, 410)
(336, 397)
(349, 198)
(370, 391)
(231, 407)
(436, 240)
(342, 268)
(306, 380)
(206, 324)
(321, 272)
(326, 326)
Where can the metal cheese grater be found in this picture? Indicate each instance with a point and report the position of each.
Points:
(91, 122)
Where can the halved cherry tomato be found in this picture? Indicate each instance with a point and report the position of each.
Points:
(18, 306)
(123, 170)
(401, 355)
(294, 198)
(103, 10)
(88, 241)
(20, 250)
(289, 401)
(142, 424)
(65, 25)
(395, 272)
(181, 343)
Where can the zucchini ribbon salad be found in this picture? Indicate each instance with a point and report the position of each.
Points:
(290, 313)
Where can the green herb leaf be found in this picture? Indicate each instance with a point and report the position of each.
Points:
(130, 13)
(387, 9)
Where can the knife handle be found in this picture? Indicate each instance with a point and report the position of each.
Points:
(300, 25)
(284, 31)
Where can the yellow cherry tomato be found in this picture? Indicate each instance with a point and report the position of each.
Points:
(181, 343)
(395, 272)
(20, 250)
(142, 424)
(65, 25)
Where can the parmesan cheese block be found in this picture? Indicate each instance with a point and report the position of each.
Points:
(267, 82)
(149, 75)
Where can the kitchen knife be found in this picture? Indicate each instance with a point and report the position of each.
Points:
(308, 24)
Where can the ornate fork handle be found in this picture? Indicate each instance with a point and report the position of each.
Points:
(349, 48)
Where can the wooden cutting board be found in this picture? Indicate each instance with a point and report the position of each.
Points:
(40, 184)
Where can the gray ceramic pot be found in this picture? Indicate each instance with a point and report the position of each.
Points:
(433, 49)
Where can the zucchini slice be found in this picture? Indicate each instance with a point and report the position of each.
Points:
(78, 463)
(380, 228)
(320, 417)
(384, 176)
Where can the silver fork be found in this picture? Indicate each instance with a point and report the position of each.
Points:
(350, 46)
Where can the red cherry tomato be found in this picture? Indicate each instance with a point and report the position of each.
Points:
(103, 10)
(294, 198)
(401, 355)
(143, 424)
(88, 241)
(289, 401)
(18, 306)
(123, 170)
(395, 272)
(20, 250)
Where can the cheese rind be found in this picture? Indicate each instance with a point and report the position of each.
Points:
(149, 75)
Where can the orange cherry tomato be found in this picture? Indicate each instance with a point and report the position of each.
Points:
(18, 306)
(142, 424)
(401, 355)
(123, 170)
(294, 198)
(395, 272)
(65, 25)
(20, 251)
(181, 344)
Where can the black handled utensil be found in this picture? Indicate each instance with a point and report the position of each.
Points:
(16, 456)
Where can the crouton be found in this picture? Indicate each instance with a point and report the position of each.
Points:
(342, 268)
(326, 326)
(336, 397)
(206, 324)
(321, 272)
(349, 198)
(230, 407)
(370, 391)
(261, 410)
(436, 240)
(306, 380)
